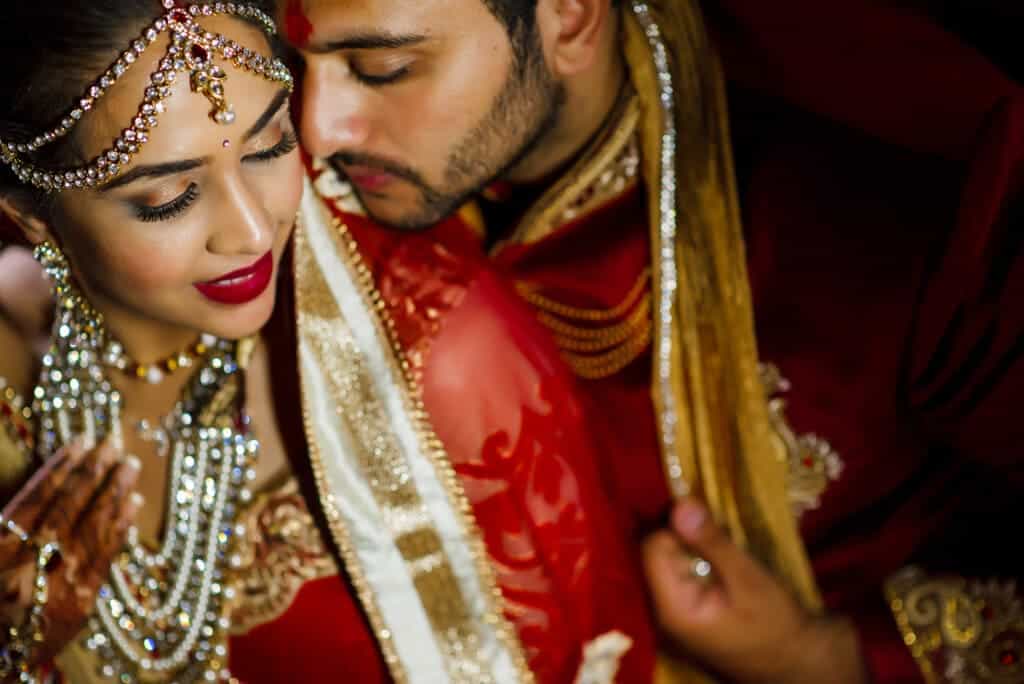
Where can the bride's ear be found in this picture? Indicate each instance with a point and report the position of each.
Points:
(19, 208)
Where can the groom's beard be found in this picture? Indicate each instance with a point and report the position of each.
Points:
(526, 109)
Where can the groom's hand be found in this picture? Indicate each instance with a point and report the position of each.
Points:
(740, 621)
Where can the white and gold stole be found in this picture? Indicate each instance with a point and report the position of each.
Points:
(394, 505)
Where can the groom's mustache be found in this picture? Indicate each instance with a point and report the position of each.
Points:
(340, 160)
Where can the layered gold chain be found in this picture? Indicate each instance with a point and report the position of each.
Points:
(597, 343)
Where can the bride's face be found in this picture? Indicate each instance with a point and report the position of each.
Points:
(191, 233)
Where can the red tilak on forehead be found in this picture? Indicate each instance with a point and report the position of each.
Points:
(297, 25)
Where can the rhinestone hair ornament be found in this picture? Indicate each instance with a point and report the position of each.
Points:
(191, 52)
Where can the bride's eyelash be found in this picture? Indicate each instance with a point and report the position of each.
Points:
(179, 204)
(169, 210)
(287, 144)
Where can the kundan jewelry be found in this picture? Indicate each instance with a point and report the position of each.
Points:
(162, 615)
(191, 52)
(163, 611)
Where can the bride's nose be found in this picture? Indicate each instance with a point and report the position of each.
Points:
(243, 225)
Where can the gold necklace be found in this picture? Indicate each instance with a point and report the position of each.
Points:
(115, 356)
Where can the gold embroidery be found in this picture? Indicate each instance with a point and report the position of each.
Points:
(605, 171)
(594, 351)
(390, 481)
(813, 464)
(959, 631)
(280, 551)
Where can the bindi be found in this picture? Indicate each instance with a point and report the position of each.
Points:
(297, 25)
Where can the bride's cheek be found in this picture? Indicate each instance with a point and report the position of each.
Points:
(146, 268)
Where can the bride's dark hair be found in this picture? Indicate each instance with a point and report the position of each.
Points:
(53, 50)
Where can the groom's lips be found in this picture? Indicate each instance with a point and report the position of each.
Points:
(369, 178)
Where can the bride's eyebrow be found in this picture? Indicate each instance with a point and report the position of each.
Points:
(152, 171)
(171, 168)
(268, 114)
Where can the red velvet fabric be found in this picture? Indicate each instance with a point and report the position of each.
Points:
(321, 637)
(880, 164)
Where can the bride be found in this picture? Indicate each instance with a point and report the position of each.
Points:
(155, 465)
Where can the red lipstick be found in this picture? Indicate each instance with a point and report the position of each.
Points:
(241, 286)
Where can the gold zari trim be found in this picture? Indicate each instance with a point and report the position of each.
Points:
(389, 477)
(312, 299)
(723, 447)
(606, 170)
(279, 553)
(959, 631)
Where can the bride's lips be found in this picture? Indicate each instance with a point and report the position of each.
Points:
(241, 286)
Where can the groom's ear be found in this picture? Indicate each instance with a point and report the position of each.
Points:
(23, 211)
(574, 32)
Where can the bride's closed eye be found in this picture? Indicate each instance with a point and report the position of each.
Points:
(177, 206)
(168, 210)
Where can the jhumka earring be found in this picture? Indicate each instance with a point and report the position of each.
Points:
(73, 396)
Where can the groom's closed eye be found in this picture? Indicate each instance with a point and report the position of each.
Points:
(375, 70)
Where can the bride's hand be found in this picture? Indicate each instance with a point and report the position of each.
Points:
(85, 502)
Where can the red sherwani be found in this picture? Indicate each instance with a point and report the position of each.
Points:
(880, 164)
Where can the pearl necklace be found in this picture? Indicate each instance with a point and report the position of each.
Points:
(163, 612)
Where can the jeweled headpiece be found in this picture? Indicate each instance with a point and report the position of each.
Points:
(192, 50)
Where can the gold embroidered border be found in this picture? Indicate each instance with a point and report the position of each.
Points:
(279, 553)
(605, 171)
(309, 285)
(390, 480)
(959, 631)
(494, 601)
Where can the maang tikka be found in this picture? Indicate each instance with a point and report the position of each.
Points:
(192, 51)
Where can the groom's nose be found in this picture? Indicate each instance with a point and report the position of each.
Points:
(334, 115)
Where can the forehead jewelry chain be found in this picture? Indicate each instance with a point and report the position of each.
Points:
(192, 51)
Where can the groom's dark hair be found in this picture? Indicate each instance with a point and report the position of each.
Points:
(513, 13)
(519, 18)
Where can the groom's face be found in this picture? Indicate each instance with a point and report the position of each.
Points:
(419, 103)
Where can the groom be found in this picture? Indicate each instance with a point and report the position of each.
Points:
(853, 212)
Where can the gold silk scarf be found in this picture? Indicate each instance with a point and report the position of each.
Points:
(725, 449)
